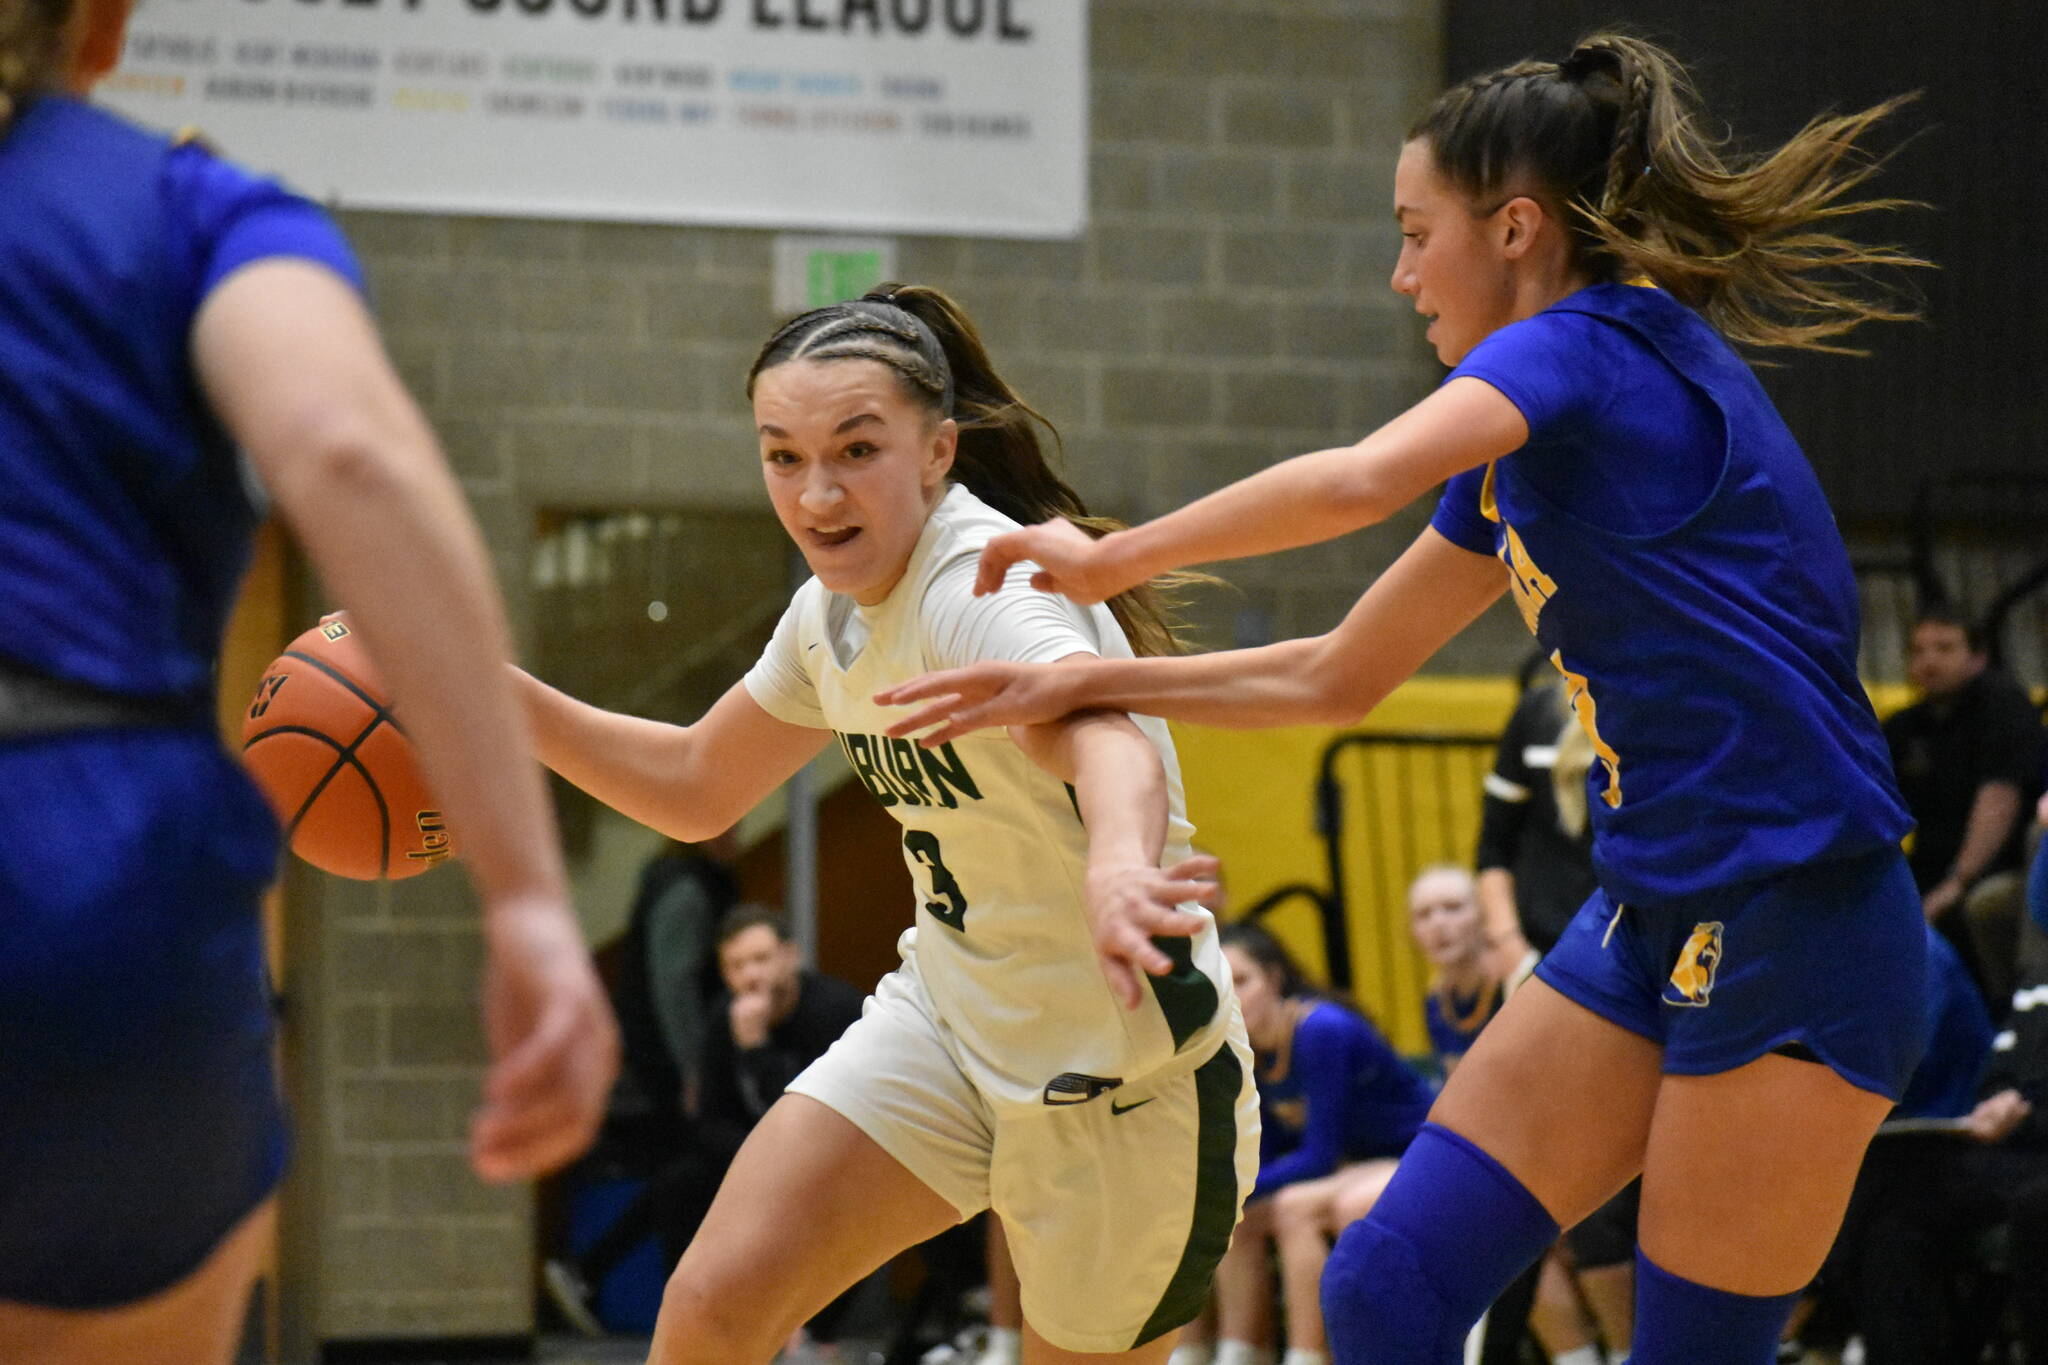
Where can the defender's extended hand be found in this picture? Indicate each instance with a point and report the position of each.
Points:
(1128, 906)
(1070, 561)
(980, 696)
(553, 1044)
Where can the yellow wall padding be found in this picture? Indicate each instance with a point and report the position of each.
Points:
(1251, 796)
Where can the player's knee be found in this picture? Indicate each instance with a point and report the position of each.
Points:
(1365, 1260)
(1376, 1298)
(703, 1323)
(1298, 1207)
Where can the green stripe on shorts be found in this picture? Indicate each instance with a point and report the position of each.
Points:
(1218, 1083)
(1186, 997)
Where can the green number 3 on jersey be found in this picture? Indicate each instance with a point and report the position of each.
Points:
(948, 904)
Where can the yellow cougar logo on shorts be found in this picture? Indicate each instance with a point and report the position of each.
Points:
(1692, 980)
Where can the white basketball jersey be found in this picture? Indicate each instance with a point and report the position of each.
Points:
(994, 843)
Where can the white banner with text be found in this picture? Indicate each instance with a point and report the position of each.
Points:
(939, 116)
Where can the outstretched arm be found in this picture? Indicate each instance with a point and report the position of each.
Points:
(1433, 591)
(1302, 501)
(1120, 787)
(689, 782)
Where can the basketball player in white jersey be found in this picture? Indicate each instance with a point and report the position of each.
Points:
(1060, 1042)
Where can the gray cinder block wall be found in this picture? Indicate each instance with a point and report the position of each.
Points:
(1227, 307)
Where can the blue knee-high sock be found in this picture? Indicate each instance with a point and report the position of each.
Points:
(1680, 1321)
(1406, 1282)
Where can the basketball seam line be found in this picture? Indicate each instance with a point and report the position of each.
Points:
(383, 712)
(344, 757)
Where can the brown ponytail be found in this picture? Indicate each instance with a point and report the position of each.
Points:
(31, 48)
(937, 353)
(1612, 138)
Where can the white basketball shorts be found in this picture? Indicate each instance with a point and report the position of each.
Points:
(1117, 1208)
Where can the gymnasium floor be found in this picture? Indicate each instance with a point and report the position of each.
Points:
(576, 1351)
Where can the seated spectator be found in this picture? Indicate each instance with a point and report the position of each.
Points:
(1947, 1194)
(775, 1019)
(1338, 1106)
(1466, 990)
(1968, 757)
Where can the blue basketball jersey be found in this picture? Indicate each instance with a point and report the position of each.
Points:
(1707, 635)
(1453, 1022)
(1336, 1093)
(125, 521)
(136, 1072)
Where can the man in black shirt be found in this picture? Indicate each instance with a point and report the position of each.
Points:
(1968, 757)
(776, 1019)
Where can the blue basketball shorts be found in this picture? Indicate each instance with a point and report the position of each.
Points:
(139, 1111)
(1830, 957)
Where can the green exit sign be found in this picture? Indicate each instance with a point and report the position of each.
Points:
(812, 272)
(836, 275)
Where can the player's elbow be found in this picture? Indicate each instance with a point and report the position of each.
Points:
(1366, 496)
(335, 457)
(1330, 692)
(696, 831)
(1338, 712)
(1048, 744)
(691, 809)
(696, 826)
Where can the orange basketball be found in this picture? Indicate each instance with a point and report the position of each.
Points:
(335, 763)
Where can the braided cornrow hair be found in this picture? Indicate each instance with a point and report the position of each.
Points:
(31, 44)
(936, 353)
(1611, 138)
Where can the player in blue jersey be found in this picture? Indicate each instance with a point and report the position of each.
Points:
(158, 309)
(1753, 963)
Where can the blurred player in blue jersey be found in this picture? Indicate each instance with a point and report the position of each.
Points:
(158, 309)
(1740, 1002)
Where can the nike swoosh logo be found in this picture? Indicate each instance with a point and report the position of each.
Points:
(1115, 1108)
